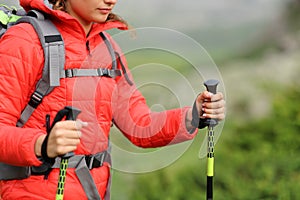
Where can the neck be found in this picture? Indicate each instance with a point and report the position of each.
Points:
(87, 28)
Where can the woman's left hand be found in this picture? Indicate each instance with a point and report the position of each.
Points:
(211, 105)
(208, 106)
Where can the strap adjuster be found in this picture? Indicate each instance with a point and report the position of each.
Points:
(69, 73)
(104, 72)
(94, 161)
(35, 99)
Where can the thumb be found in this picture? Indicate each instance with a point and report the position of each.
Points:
(80, 124)
(204, 96)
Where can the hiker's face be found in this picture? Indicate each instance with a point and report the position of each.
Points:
(88, 11)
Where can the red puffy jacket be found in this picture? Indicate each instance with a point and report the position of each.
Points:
(101, 99)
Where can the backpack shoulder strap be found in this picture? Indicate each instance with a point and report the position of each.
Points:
(54, 54)
(115, 57)
(110, 49)
(112, 73)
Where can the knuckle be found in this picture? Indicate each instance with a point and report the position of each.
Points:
(58, 133)
(221, 95)
(221, 116)
(58, 124)
(77, 142)
(60, 150)
(59, 141)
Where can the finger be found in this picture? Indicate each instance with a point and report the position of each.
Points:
(214, 105)
(72, 134)
(80, 124)
(63, 143)
(204, 96)
(214, 116)
(217, 97)
(71, 141)
(66, 145)
(66, 134)
(71, 124)
(214, 111)
(79, 134)
(62, 150)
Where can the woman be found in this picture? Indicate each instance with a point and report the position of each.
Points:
(101, 100)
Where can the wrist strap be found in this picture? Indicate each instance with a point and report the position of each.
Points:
(45, 157)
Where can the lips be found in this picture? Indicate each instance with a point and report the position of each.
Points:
(104, 10)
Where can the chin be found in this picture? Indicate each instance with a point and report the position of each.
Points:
(100, 19)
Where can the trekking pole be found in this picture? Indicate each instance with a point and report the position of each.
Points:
(70, 113)
(211, 86)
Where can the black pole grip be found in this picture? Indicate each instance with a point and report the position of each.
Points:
(211, 85)
(72, 113)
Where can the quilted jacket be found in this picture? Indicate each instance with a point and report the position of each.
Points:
(101, 99)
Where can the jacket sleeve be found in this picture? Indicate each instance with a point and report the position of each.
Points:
(140, 125)
(21, 58)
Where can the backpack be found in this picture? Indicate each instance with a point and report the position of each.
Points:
(54, 54)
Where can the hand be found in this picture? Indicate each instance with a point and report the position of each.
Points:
(63, 138)
(208, 106)
(211, 105)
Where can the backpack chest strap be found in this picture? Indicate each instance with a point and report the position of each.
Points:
(92, 161)
(112, 73)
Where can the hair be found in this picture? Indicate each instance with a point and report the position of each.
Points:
(61, 5)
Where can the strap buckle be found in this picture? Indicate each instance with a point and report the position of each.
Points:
(69, 73)
(104, 72)
(91, 160)
(94, 161)
(35, 99)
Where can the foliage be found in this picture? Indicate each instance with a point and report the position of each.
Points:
(292, 15)
(257, 160)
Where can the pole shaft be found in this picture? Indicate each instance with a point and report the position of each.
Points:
(62, 179)
(209, 192)
(211, 86)
(210, 163)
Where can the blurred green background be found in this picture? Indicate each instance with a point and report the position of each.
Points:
(256, 46)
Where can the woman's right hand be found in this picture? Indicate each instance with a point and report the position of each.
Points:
(63, 138)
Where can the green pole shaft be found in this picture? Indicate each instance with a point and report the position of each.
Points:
(210, 163)
(62, 179)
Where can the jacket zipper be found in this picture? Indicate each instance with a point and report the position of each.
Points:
(87, 44)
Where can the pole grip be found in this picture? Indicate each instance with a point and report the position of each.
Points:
(71, 114)
(211, 85)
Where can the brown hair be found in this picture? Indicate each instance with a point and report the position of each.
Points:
(61, 5)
